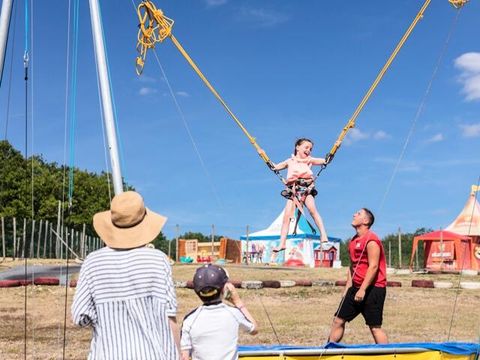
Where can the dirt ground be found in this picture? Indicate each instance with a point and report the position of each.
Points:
(298, 315)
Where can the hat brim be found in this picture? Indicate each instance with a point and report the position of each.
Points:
(128, 238)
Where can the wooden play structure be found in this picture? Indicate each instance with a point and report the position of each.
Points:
(192, 250)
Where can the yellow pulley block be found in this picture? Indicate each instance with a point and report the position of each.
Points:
(457, 3)
(154, 27)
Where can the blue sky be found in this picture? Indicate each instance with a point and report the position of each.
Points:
(287, 69)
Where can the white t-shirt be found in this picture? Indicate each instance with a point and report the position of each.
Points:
(211, 332)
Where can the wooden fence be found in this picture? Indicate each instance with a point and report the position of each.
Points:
(42, 239)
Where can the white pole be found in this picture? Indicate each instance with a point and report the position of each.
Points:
(4, 25)
(107, 105)
(399, 248)
(247, 256)
(177, 232)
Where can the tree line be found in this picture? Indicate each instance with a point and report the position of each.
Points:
(34, 186)
(397, 247)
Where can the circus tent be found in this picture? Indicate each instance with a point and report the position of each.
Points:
(457, 247)
(468, 221)
(303, 246)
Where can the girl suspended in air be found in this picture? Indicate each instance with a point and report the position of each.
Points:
(300, 188)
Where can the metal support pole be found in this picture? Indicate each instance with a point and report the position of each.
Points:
(82, 243)
(14, 238)
(31, 253)
(3, 238)
(177, 231)
(50, 235)
(39, 238)
(247, 255)
(5, 16)
(106, 97)
(45, 240)
(213, 241)
(399, 248)
(170, 249)
(441, 249)
(389, 253)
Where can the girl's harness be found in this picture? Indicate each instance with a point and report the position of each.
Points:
(298, 191)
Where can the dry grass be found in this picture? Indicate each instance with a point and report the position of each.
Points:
(300, 315)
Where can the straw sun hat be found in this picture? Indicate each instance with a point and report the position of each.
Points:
(128, 224)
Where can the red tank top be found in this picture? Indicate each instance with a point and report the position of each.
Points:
(359, 260)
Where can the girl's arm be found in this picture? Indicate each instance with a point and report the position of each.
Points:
(279, 166)
(318, 161)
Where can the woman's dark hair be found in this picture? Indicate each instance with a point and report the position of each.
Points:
(300, 142)
(370, 216)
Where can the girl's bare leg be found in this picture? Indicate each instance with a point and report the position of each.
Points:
(310, 204)
(287, 214)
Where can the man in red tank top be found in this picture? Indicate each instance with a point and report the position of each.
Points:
(366, 281)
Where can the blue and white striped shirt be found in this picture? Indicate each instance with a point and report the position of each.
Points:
(127, 297)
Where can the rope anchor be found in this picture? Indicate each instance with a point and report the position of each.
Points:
(154, 27)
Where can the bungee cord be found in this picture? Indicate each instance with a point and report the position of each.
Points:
(189, 133)
(421, 106)
(156, 27)
(73, 104)
(269, 320)
(73, 11)
(457, 292)
(419, 112)
(66, 129)
(25, 65)
(32, 175)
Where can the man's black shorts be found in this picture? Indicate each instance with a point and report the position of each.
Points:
(371, 307)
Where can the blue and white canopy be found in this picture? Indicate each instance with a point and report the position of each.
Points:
(273, 231)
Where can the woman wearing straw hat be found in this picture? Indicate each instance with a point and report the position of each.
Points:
(125, 290)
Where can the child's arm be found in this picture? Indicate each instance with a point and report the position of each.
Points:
(235, 299)
(279, 166)
(185, 355)
(318, 161)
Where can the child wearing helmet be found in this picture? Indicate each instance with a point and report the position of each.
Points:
(210, 332)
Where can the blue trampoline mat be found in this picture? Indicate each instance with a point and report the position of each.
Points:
(455, 348)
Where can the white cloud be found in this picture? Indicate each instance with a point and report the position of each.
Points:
(472, 130)
(356, 135)
(436, 138)
(469, 66)
(146, 79)
(183, 93)
(263, 17)
(212, 3)
(147, 91)
(381, 135)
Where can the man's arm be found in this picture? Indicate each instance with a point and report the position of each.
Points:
(373, 254)
(185, 355)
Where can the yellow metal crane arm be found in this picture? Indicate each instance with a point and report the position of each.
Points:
(155, 27)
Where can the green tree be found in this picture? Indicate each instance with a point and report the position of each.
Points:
(35, 187)
(200, 237)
